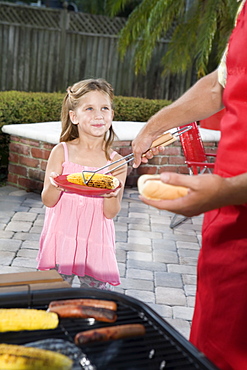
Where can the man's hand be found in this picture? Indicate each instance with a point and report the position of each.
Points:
(142, 151)
(206, 192)
(141, 145)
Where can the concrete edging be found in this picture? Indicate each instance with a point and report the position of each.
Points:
(50, 131)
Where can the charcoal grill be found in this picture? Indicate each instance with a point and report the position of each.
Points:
(161, 348)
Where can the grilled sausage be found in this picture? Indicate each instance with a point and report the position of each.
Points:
(109, 333)
(109, 305)
(76, 311)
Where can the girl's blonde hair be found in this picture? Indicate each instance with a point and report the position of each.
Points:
(72, 100)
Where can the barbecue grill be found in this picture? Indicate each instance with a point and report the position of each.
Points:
(162, 347)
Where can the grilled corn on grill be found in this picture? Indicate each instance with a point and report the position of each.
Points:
(12, 319)
(15, 357)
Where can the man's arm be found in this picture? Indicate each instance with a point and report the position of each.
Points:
(206, 192)
(200, 101)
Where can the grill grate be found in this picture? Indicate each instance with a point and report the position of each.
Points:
(161, 348)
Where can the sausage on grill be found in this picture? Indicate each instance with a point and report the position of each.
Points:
(109, 333)
(76, 311)
(110, 305)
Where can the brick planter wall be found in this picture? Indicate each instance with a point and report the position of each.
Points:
(28, 159)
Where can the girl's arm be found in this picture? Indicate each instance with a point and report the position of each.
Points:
(51, 193)
(112, 203)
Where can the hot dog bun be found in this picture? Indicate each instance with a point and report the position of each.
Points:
(151, 187)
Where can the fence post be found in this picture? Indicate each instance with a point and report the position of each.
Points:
(64, 25)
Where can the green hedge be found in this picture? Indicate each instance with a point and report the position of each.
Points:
(136, 109)
(28, 107)
(22, 107)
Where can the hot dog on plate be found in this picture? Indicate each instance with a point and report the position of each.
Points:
(151, 187)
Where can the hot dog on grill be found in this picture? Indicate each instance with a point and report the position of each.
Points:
(109, 333)
(151, 187)
(77, 311)
(109, 305)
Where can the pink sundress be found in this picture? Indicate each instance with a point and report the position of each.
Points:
(77, 238)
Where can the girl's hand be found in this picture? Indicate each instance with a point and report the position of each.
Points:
(52, 177)
(114, 193)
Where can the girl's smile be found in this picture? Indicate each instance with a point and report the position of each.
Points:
(94, 114)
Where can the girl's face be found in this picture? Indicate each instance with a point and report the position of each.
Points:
(94, 114)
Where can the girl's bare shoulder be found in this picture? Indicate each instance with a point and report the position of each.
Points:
(57, 152)
(116, 155)
(59, 148)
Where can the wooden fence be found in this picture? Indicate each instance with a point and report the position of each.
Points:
(45, 49)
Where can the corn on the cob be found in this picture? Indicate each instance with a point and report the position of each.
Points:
(98, 180)
(16, 319)
(16, 357)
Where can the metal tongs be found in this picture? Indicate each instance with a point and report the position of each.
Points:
(163, 140)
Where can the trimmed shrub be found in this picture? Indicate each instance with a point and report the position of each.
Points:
(136, 109)
(24, 107)
(30, 107)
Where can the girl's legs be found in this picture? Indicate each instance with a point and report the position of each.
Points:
(87, 281)
(90, 282)
(68, 278)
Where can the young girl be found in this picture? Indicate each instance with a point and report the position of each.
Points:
(78, 236)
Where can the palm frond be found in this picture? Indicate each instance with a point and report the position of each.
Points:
(146, 26)
(226, 20)
(199, 33)
(113, 7)
(134, 27)
(179, 56)
(206, 32)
